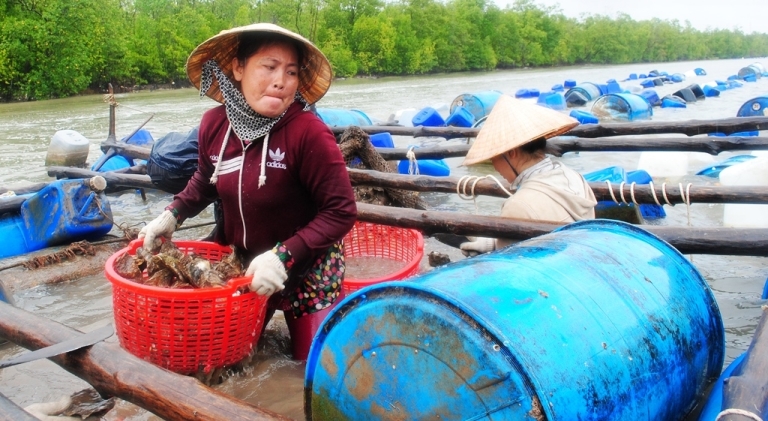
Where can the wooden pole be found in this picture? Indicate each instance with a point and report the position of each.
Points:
(688, 240)
(114, 180)
(114, 372)
(689, 128)
(642, 192)
(710, 145)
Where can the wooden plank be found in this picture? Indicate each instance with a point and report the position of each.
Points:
(688, 240)
(114, 372)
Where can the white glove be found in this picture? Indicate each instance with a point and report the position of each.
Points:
(268, 273)
(477, 245)
(162, 226)
(47, 411)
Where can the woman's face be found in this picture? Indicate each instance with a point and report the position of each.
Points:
(269, 79)
(503, 167)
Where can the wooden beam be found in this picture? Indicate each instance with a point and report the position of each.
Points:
(689, 128)
(114, 372)
(688, 240)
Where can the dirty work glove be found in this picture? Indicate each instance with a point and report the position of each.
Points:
(268, 273)
(477, 245)
(47, 411)
(162, 226)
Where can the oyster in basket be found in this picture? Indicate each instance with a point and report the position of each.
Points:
(198, 272)
(129, 267)
(231, 266)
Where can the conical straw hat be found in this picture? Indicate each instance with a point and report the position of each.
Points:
(314, 77)
(514, 123)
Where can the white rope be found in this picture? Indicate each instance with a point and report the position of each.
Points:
(632, 193)
(664, 193)
(461, 187)
(653, 192)
(413, 163)
(621, 193)
(686, 199)
(737, 411)
(610, 190)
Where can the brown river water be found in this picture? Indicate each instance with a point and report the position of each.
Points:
(275, 381)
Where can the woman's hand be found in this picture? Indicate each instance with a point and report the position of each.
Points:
(268, 273)
(477, 245)
(162, 226)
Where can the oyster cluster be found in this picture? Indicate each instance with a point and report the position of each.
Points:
(172, 268)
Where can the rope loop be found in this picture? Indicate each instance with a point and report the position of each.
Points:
(610, 190)
(632, 193)
(737, 411)
(653, 192)
(621, 192)
(110, 99)
(413, 163)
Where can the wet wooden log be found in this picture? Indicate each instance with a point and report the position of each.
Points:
(747, 388)
(688, 240)
(710, 145)
(114, 372)
(115, 181)
(642, 193)
(689, 128)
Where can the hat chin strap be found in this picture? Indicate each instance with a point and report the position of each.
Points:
(504, 155)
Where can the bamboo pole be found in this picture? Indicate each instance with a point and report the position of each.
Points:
(688, 240)
(710, 145)
(689, 128)
(114, 372)
(643, 193)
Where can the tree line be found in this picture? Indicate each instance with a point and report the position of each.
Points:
(59, 48)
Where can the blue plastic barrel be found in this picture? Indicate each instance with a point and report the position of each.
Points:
(142, 137)
(677, 77)
(569, 83)
(429, 117)
(714, 404)
(479, 104)
(755, 107)
(584, 117)
(648, 83)
(614, 174)
(65, 211)
(633, 76)
(116, 162)
(622, 106)
(460, 117)
(552, 99)
(558, 87)
(671, 101)
(13, 235)
(647, 210)
(714, 170)
(598, 320)
(433, 167)
(642, 76)
(522, 93)
(382, 140)
(341, 118)
(651, 97)
(612, 87)
(700, 72)
(710, 91)
(589, 90)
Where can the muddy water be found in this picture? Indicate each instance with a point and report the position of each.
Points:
(274, 381)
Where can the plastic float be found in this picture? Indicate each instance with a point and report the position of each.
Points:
(562, 325)
(622, 107)
(753, 172)
(342, 118)
(479, 104)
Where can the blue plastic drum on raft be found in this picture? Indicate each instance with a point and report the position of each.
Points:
(479, 104)
(755, 107)
(623, 107)
(429, 117)
(552, 99)
(341, 118)
(598, 320)
(671, 101)
(651, 97)
(569, 83)
(584, 117)
(581, 94)
(460, 117)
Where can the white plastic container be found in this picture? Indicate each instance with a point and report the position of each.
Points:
(68, 148)
(750, 173)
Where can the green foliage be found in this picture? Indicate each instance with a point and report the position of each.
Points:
(56, 48)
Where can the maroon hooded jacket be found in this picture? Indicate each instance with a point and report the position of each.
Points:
(307, 202)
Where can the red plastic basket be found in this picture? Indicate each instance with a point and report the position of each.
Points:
(387, 242)
(186, 330)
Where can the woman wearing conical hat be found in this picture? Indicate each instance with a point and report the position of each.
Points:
(514, 139)
(286, 197)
